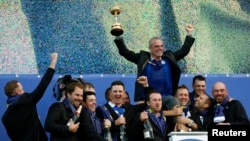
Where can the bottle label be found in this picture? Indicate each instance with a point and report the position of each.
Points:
(68, 124)
(146, 134)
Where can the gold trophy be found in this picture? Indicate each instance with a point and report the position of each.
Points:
(116, 27)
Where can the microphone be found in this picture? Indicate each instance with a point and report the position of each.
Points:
(59, 86)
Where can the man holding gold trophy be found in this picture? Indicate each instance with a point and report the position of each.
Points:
(158, 65)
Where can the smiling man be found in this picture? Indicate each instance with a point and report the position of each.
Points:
(227, 112)
(199, 87)
(114, 110)
(158, 65)
(59, 121)
(91, 127)
(184, 122)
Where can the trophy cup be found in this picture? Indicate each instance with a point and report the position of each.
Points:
(116, 29)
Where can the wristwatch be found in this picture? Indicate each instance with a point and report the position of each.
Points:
(191, 123)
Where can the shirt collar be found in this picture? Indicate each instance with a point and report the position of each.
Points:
(111, 104)
(151, 58)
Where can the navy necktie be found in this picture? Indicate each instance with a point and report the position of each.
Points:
(96, 123)
(119, 110)
(157, 63)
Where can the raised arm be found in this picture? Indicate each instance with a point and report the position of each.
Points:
(53, 62)
(189, 40)
(189, 28)
(124, 51)
(39, 91)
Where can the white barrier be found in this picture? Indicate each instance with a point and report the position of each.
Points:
(188, 136)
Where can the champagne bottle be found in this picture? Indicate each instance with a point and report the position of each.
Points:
(148, 130)
(107, 134)
(122, 132)
(76, 115)
(179, 126)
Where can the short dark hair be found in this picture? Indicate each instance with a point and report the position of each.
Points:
(72, 84)
(149, 93)
(126, 92)
(87, 93)
(88, 85)
(10, 87)
(107, 92)
(183, 86)
(60, 85)
(117, 82)
(198, 77)
(209, 101)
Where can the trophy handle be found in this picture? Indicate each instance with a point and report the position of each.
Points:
(116, 10)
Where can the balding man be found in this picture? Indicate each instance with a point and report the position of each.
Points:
(227, 112)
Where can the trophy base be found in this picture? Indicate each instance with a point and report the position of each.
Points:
(116, 32)
(116, 29)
